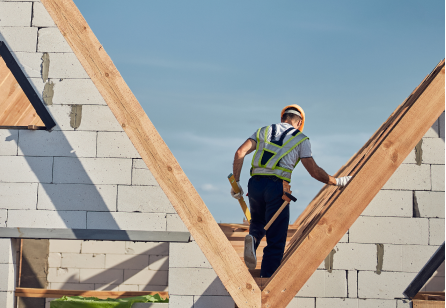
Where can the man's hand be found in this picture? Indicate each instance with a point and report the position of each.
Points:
(239, 194)
(343, 181)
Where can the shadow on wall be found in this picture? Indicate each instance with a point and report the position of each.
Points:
(66, 194)
(123, 273)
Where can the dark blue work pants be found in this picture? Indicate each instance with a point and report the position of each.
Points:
(265, 198)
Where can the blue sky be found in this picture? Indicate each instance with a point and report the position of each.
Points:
(209, 73)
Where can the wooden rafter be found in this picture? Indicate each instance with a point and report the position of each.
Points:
(334, 210)
(155, 153)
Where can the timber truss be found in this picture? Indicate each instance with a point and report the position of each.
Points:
(322, 224)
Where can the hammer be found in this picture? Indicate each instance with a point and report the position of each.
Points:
(287, 197)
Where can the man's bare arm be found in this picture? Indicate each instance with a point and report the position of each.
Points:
(247, 147)
(317, 172)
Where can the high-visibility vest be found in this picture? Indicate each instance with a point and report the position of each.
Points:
(269, 153)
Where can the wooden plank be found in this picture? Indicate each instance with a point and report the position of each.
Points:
(155, 153)
(51, 293)
(95, 234)
(427, 304)
(15, 107)
(345, 208)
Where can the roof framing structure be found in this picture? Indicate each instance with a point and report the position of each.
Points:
(335, 211)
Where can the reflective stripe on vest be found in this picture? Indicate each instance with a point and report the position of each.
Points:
(269, 153)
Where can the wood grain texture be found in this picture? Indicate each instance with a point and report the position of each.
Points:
(155, 153)
(371, 169)
(51, 293)
(15, 107)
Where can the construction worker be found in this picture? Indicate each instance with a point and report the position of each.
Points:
(279, 148)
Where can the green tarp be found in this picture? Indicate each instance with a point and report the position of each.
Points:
(93, 302)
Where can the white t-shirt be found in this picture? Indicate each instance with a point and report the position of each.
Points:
(303, 150)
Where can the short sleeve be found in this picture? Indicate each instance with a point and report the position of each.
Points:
(254, 136)
(305, 149)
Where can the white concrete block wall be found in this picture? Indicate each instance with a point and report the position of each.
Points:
(8, 271)
(108, 265)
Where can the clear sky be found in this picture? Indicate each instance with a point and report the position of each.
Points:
(209, 73)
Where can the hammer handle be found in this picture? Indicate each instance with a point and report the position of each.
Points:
(275, 215)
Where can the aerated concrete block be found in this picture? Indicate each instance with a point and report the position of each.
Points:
(59, 246)
(436, 231)
(19, 38)
(149, 248)
(126, 221)
(178, 301)
(61, 115)
(441, 126)
(84, 260)
(410, 177)
(16, 169)
(387, 285)
(145, 277)
(99, 118)
(122, 261)
(174, 223)
(430, 203)
(336, 302)
(115, 144)
(437, 172)
(76, 91)
(393, 258)
(411, 158)
(143, 177)
(15, 14)
(414, 257)
(51, 40)
(145, 199)
(433, 131)
(77, 197)
(9, 141)
(195, 281)
(213, 301)
(7, 273)
(107, 247)
(138, 163)
(18, 196)
(376, 303)
(101, 276)
(391, 230)
(54, 259)
(70, 286)
(158, 263)
(187, 255)
(325, 284)
(433, 151)
(391, 203)
(29, 62)
(3, 218)
(403, 303)
(63, 274)
(57, 143)
(150, 287)
(46, 219)
(352, 284)
(65, 65)
(7, 299)
(41, 18)
(8, 251)
(353, 256)
(92, 170)
(302, 302)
